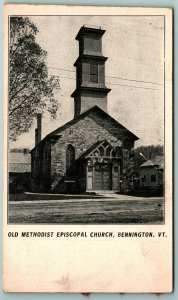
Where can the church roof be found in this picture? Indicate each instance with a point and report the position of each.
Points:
(110, 124)
(98, 110)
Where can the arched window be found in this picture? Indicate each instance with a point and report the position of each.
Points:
(101, 150)
(70, 156)
(108, 151)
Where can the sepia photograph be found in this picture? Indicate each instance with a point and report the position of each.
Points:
(86, 119)
(87, 175)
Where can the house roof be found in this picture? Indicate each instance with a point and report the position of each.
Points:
(156, 161)
(19, 162)
(161, 167)
(120, 129)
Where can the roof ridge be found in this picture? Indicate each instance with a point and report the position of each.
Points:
(82, 115)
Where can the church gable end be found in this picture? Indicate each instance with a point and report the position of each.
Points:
(81, 135)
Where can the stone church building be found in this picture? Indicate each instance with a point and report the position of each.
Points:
(91, 152)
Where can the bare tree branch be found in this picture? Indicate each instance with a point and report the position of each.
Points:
(20, 104)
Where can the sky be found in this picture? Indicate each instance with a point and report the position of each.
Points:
(134, 71)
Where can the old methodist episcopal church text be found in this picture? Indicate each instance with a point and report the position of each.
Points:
(87, 203)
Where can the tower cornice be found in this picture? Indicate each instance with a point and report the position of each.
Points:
(84, 30)
(90, 89)
(90, 58)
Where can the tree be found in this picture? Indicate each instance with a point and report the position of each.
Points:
(31, 90)
(20, 150)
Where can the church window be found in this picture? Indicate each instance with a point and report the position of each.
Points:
(153, 178)
(79, 75)
(90, 168)
(105, 144)
(108, 151)
(94, 73)
(113, 153)
(70, 156)
(116, 169)
(101, 150)
(97, 167)
(96, 153)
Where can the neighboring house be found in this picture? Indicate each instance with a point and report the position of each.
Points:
(19, 172)
(151, 172)
(92, 151)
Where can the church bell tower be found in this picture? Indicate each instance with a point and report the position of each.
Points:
(90, 71)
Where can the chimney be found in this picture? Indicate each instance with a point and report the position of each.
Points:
(36, 136)
(38, 130)
(39, 116)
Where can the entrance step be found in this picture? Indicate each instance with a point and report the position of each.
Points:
(103, 192)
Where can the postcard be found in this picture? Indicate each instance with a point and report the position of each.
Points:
(87, 191)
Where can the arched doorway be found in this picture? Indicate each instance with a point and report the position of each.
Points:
(103, 167)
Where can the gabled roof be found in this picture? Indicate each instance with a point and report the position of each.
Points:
(156, 161)
(90, 112)
(19, 162)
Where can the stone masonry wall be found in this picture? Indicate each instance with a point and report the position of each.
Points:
(81, 135)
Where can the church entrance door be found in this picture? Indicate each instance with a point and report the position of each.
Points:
(103, 176)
